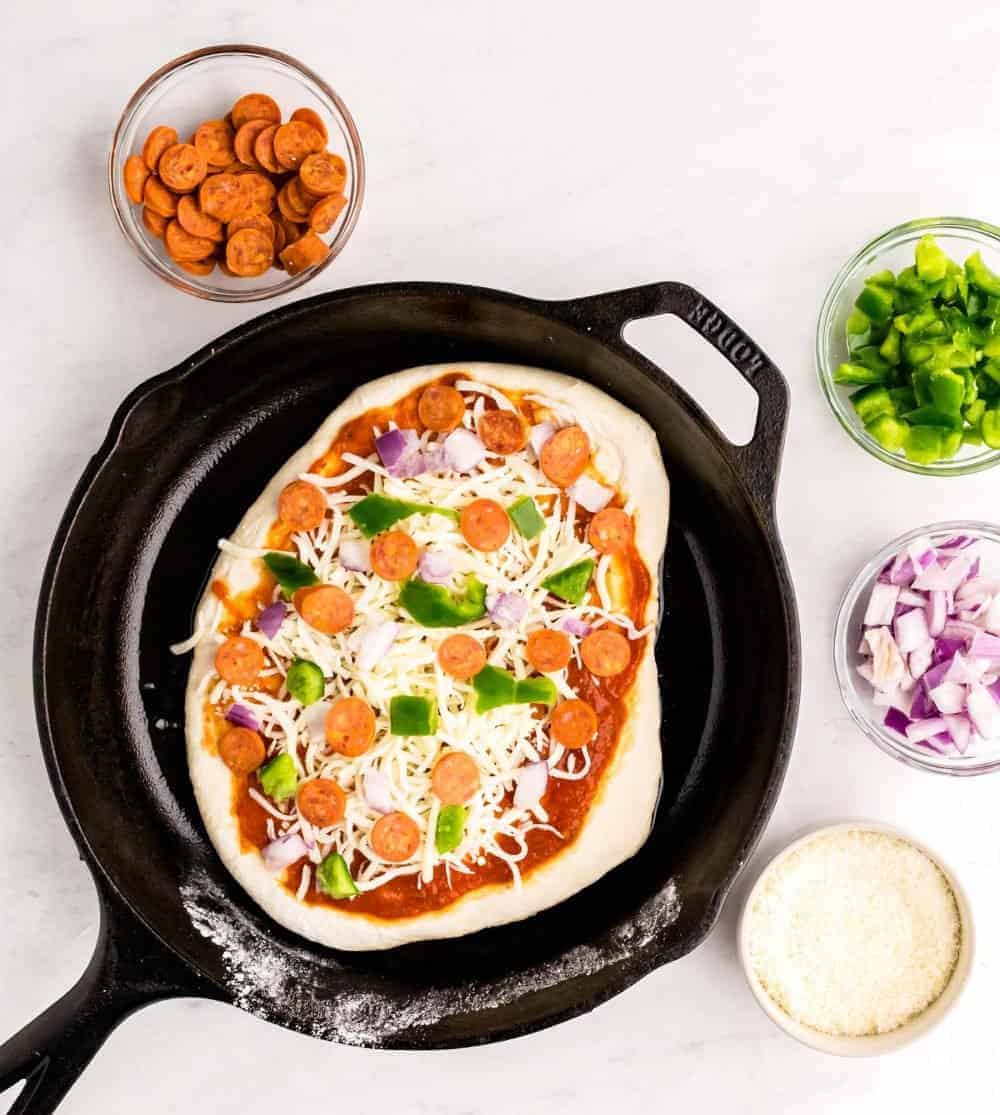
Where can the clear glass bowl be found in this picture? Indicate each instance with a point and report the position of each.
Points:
(202, 86)
(857, 692)
(959, 237)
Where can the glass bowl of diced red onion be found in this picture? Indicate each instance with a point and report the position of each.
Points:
(917, 648)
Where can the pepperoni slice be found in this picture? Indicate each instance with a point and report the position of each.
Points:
(455, 778)
(199, 267)
(565, 455)
(158, 140)
(548, 651)
(573, 724)
(306, 252)
(244, 140)
(313, 119)
(323, 173)
(254, 106)
(350, 726)
(322, 802)
(241, 750)
(134, 173)
(440, 407)
(215, 141)
(484, 525)
(323, 215)
(610, 531)
(259, 191)
(194, 221)
(394, 555)
(325, 607)
(605, 653)
(184, 247)
(461, 656)
(222, 196)
(182, 168)
(294, 141)
(154, 222)
(239, 660)
(503, 431)
(263, 149)
(301, 505)
(395, 837)
(249, 253)
(260, 221)
(157, 197)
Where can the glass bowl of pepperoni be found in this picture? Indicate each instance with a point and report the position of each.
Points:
(236, 173)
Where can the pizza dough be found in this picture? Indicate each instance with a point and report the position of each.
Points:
(621, 810)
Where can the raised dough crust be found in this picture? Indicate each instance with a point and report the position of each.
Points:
(621, 814)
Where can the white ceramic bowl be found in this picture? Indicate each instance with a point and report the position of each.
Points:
(875, 1044)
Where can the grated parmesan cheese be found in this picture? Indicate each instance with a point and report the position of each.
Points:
(854, 933)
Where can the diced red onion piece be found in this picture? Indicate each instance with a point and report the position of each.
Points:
(960, 730)
(393, 445)
(921, 708)
(355, 555)
(977, 586)
(985, 646)
(539, 435)
(589, 494)
(984, 712)
(901, 571)
(881, 605)
(941, 743)
(947, 577)
(937, 612)
(532, 780)
(912, 598)
(436, 566)
(936, 674)
(964, 671)
(911, 631)
(463, 450)
(242, 717)
(271, 618)
(991, 620)
(896, 721)
(507, 608)
(920, 659)
(897, 698)
(378, 790)
(573, 625)
(957, 629)
(283, 852)
(924, 729)
(949, 697)
(375, 643)
(921, 553)
(957, 542)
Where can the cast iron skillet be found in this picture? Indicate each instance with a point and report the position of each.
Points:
(185, 454)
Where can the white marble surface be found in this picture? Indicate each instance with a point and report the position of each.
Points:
(556, 151)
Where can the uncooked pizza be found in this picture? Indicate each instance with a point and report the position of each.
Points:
(423, 699)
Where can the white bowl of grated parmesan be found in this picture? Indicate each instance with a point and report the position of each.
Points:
(856, 939)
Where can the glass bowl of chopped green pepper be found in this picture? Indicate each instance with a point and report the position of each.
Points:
(908, 346)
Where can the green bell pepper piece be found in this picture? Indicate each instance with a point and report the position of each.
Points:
(932, 263)
(289, 572)
(875, 301)
(858, 374)
(947, 391)
(923, 444)
(980, 276)
(870, 402)
(992, 345)
(888, 431)
(870, 357)
(951, 443)
(989, 428)
(450, 828)
(305, 681)
(890, 349)
(334, 877)
(376, 513)
(858, 323)
(438, 606)
(903, 399)
(570, 584)
(278, 777)
(526, 517)
(495, 687)
(974, 412)
(972, 437)
(410, 715)
(882, 278)
(931, 416)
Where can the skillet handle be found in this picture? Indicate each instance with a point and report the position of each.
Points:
(758, 462)
(129, 969)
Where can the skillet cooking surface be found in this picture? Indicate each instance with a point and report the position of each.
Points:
(186, 455)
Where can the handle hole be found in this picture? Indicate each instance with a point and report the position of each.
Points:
(704, 373)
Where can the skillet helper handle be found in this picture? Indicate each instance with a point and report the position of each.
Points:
(129, 970)
(757, 462)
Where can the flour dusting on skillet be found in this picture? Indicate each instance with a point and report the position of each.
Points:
(262, 979)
